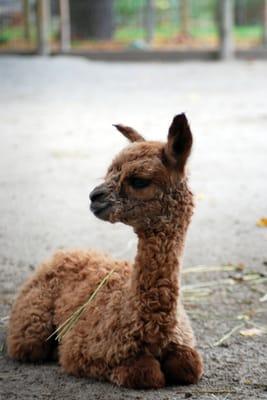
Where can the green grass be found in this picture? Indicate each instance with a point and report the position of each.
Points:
(129, 34)
(204, 32)
(14, 33)
(11, 33)
(248, 32)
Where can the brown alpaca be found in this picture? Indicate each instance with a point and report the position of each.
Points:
(135, 333)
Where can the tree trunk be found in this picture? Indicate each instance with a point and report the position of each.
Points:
(92, 19)
(226, 29)
(64, 26)
(43, 17)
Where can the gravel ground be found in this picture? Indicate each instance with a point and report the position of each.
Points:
(56, 142)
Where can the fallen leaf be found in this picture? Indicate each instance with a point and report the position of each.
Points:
(251, 332)
(262, 222)
(240, 267)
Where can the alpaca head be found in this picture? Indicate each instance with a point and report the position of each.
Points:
(146, 185)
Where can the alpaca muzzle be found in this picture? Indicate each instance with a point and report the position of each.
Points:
(100, 203)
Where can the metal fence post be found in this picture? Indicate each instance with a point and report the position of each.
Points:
(26, 18)
(43, 17)
(150, 20)
(226, 22)
(184, 17)
(265, 23)
(65, 30)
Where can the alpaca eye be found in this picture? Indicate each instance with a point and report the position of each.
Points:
(139, 183)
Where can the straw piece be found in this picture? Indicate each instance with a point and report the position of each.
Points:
(4, 320)
(253, 276)
(208, 284)
(263, 328)
(263, 298)
(2, 347)
(260, 280)
(227, 335)
(204, 268)
(67, 325)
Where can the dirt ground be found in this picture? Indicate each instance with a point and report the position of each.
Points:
(56, 142)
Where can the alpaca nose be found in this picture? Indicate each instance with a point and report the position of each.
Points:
(100, 203)
(99, 193)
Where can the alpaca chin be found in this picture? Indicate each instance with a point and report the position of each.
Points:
(101, 211)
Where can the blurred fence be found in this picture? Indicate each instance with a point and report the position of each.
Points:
(128, 24)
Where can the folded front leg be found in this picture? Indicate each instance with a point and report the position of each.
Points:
(182, 364)
(141, 373)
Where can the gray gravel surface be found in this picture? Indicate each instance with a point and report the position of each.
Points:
(56, 143)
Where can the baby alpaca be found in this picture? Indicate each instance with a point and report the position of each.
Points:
(135, 333)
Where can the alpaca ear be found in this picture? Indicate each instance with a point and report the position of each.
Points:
(129, 133)
(180, 139)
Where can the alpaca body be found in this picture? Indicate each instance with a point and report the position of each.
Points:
(135, 332)
(111, 330)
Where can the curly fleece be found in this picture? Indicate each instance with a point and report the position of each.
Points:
(136, 332)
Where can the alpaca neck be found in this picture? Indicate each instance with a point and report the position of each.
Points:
(155, 282)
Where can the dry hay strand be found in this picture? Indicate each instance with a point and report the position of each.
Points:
(228, 335)
(67, 326)
(212, 268)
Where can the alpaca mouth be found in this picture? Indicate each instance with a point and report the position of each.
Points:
(101, 210)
